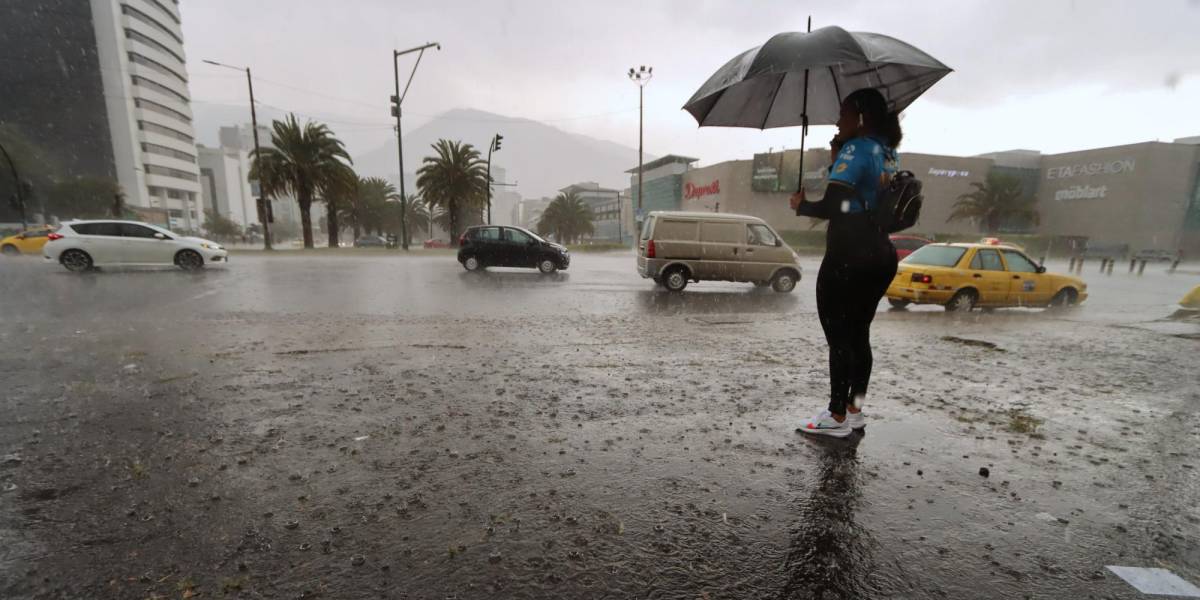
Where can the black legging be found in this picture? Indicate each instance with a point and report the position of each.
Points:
(859, 265)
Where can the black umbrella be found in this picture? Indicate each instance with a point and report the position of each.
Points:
(801, 78)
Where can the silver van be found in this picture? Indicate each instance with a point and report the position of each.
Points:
(678, 247)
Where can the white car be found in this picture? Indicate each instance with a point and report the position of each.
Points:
(82, 245)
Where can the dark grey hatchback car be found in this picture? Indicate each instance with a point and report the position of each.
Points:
(502, 246)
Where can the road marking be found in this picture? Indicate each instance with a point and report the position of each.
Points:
(1156, 581)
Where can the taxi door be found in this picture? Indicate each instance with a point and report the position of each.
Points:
(1028, 287)
(988, 276)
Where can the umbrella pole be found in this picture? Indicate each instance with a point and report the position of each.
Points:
(804, 122)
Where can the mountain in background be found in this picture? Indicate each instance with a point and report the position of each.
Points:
(541, 159)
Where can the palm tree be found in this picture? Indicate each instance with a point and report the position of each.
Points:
(1000, 199)
(417, 218)
(455, 180)
(567, 218)
(365, 210)
(340, 191)
(305, 162)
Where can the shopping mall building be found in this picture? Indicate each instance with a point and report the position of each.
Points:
(1144, 195)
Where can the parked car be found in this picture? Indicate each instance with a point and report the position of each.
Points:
(495, 246)
(432, 244)
(964, 276)
(83, 245)
(26, 242)
(370, 241)
(678, 247)
(907, 244)
(1155, 255)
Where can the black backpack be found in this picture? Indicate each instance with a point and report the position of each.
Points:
(898, 205)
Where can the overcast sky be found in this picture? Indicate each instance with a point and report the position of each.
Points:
(1051, 75)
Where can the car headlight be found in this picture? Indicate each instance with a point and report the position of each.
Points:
(208, 246)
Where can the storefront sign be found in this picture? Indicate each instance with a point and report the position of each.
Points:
(1115, 167)
(699, 191)
(948, 173)
(1081, 192)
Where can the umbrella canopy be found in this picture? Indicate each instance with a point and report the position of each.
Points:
(798, 74)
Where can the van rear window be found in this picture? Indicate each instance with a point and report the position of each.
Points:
(684, 231)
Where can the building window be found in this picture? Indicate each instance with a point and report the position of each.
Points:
(175, 213)
(153, 106)
(165, 151)
(158, 87)
(170, 15)
(167, 131)
(149, 41)
(147, 19)
(169, 172)
(154, 65)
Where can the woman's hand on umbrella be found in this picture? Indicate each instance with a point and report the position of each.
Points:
(797, 199)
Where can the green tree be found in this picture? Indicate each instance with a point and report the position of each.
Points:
(306, 162)
(455, 180)
(567, 218)
(220, 227)
(999, 200)
(418, 218)
(374, 193)
(82, 198)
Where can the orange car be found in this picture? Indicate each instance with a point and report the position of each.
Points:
(26, 242)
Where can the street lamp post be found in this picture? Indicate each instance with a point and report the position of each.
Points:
(262, 203)
(641, 76)
(397, 100)
(494, 146)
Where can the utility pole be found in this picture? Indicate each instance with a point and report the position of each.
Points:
(397, 100)
(494, 146)
(641, 76)
(20, 198)
(265, 213)
(620, 233)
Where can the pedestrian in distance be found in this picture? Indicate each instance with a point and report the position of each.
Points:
(860, 261)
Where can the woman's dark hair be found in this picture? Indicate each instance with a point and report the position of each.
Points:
(876, 117)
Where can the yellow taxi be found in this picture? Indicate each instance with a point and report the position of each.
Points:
(26, 242)
(985, 275)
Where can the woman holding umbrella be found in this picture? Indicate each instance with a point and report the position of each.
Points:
(860, 261)
(800, 79)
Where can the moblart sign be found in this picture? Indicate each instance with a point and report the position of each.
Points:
(699, 191)
(948, 173)
(1081, 192)
(1115, 167)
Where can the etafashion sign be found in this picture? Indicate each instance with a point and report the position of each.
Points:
(1113, 167)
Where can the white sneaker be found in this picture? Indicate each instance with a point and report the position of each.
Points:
(856, 420)
(824, 424)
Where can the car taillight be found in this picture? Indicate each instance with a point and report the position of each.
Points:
(920, 278)
(650, 249)
(54, 236)
(462, 239)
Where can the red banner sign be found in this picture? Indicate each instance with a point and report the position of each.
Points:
(699, 191)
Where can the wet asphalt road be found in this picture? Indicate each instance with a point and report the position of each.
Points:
(369, 426)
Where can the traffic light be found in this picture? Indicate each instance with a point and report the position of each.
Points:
(498, 139)
(395, 106)
(266, 212)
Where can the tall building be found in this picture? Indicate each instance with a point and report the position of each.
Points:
(226, 188)
(663, 185)
(99, 90)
